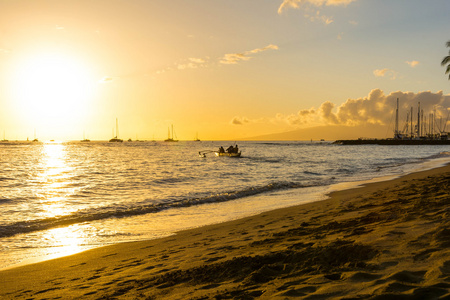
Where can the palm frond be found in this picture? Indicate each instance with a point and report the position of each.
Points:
(448, 44)
(445, 61)
(448, 70)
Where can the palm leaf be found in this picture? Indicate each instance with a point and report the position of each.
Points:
(448, 44)
(446, 60)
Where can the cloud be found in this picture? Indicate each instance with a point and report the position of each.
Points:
(311, 117)
(105, 79)
(297, 3)
(239, 120)
(316, 16)
(385, 73)
(197, 60)
(412, 63)
(380, 73)
(230, 58)
(58, 27)
(192, 63)
(234, 58)
(376, 108)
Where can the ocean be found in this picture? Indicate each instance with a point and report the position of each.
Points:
(58, 198)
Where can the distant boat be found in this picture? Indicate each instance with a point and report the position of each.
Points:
(35, 138)
(170, 138)
(196, 138)
(84, 140)
(4, 138)
(116, 138)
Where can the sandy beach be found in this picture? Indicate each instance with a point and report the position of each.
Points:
(386, 240)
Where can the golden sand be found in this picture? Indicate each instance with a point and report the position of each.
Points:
(387, 240)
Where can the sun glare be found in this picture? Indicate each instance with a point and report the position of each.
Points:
(54, 88)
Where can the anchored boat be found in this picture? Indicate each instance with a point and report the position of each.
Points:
(116, 138)
(170, 138)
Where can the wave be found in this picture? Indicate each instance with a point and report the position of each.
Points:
(439, 155)
(5, 200)
(312, 173)
(6, 178)
(121, 212)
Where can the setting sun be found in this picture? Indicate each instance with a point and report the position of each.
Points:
(53, 87)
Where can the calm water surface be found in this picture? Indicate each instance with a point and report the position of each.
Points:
(61, 198)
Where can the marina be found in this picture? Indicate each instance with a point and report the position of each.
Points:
(420, 132)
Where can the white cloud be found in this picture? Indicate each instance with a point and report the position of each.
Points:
(380, 72)
(385, 73)
(234, 58)
(413, 63)
(192, 63)
(229, 58)
(296, 3)
(105, 79)
(197, 60)
(239, 120)
(317, 16)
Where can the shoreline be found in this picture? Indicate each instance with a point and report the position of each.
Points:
(384, 238)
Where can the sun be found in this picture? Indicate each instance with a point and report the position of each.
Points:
(52, 88)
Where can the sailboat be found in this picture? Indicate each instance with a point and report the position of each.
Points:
(4, 138)
(85, 140)
(35, 138)
(169, 138)
(196, 138)
(116, 138)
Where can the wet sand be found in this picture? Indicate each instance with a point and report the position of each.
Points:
(387, 240)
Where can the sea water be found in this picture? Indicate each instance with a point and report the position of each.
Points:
(58, 198)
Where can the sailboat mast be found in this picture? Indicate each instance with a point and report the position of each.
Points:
(396, 122)
(418, 121)
(117, 128)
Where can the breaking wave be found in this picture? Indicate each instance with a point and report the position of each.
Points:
(121, 212)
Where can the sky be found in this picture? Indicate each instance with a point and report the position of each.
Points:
(222, 70)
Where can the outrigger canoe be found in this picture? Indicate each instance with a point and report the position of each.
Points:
(238, 154)
(217, 153)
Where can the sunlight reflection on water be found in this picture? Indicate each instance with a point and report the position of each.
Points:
(54, 178)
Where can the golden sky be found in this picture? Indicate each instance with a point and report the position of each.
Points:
(222, 69)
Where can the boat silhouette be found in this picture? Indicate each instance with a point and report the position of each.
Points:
(116, 138)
